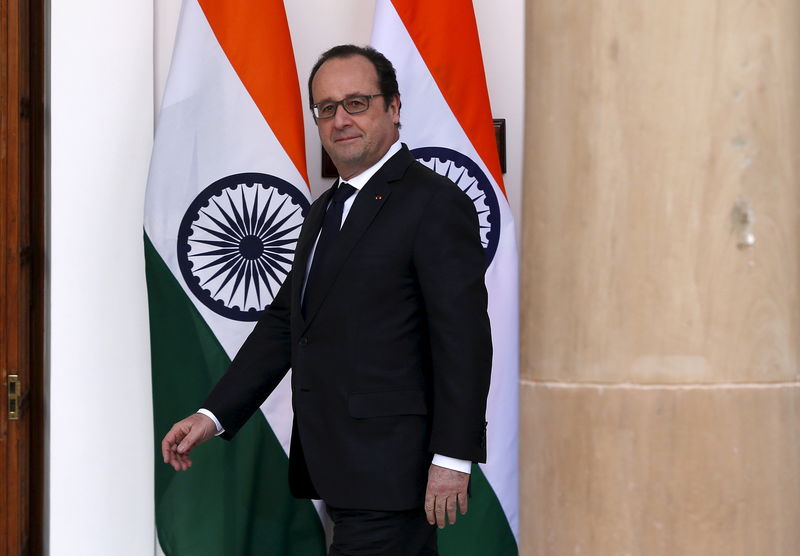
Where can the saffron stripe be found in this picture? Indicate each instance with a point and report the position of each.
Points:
(460, 78)
(255, 37)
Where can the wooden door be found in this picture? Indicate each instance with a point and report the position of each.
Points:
(21, 283)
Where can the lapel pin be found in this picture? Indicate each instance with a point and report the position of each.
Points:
(378, 197)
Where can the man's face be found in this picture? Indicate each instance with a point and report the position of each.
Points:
(354, 141)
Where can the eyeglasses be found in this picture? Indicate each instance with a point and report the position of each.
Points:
(352, 105)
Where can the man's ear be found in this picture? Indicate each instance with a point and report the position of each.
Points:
(395, 106)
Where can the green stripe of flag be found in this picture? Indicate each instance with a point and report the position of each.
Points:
(235, 500)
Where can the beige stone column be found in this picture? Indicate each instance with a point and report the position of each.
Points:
(661, 258)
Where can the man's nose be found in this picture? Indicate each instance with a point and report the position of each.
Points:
(341, 117)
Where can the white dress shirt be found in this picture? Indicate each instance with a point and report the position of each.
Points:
(358, 182)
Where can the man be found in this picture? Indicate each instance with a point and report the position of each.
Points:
(383, 322)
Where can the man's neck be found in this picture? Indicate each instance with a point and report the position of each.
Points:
(360, 180)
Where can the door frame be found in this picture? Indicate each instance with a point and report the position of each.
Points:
(22, 265)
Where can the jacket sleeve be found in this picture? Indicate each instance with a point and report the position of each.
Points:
(450, 265)
(261, 363)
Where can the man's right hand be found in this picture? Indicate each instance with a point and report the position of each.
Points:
(183, 437)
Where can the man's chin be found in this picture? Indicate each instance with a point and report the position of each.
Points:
(346, 159)
(345, 151)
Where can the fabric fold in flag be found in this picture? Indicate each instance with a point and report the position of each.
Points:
(447, 124)
(226, 196)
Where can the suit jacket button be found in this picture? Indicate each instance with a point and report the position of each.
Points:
(303, 341)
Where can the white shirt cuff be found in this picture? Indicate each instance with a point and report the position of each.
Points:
(462, 465)
(211, 416)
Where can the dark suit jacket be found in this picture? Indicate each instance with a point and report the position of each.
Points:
(393, 363)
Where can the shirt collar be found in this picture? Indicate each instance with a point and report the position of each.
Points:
(361, 180)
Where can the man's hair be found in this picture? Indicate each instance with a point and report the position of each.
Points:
(387, 78)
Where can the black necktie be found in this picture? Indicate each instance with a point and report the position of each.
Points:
(331, 224)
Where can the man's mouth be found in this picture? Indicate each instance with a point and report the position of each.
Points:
(349, 138)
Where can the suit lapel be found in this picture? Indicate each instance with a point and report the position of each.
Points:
(365, 208)
(305, 243)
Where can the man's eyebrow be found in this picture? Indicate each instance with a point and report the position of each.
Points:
(349, 95)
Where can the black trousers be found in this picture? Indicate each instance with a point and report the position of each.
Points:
(376, 533)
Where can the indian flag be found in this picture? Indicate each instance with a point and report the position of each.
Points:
(226, 196)
(447, 124)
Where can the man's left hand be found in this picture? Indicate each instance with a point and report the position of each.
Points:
(445, 488)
